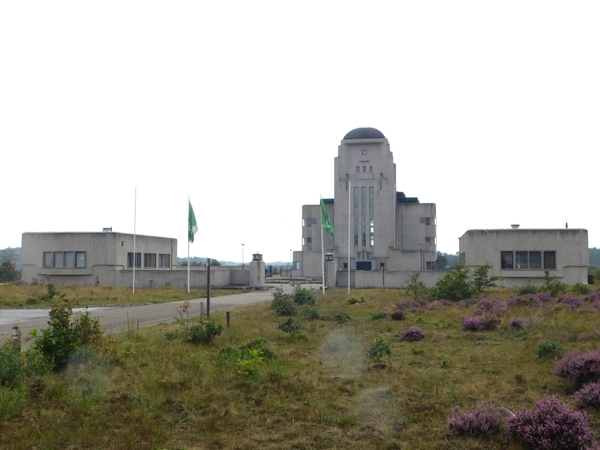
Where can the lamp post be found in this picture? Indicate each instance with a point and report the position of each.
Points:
(290, 264)
(242, 256)
(422, 253)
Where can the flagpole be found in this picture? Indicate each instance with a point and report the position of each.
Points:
(134, 220)
(322, 250)
(349, 197)
(188, 267)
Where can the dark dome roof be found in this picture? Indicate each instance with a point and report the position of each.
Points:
(364, 133)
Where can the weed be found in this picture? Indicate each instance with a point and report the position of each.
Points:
(248, 367)
(549, 350)
(290, 326)
(377, 351)
(310, 313)
(376, 315)
(353, 300)
(417, 351)
(444, 360)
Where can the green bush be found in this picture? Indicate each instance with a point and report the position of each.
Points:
(282, 303)
(415, 286)
(290, 326)
(455, 285)
(580, 289)
(549, 350)
(304, 296)
(377, 351)
(528, 289)
(203, 332)
(353, 300)
(310, 313)
(12, 365)
(376, 315)
(80, 339)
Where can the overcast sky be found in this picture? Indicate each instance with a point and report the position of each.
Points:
(492, 111)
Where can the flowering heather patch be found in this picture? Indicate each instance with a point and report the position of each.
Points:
(542, 297)
(413, 334)
(487, 307)
(439, 303)
(519, 301)
(418, 306)
(552, 425)
(483, 420)
(517, 324)
(570, 302)
(588, 395)
(480, 323)
(580, 368)
(398, 315)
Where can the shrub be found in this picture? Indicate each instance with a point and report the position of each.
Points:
(203, 332)
(519, 301)
(304, 296)
(487, 307)
(282, 303)
(11, 365)
(398, 315)
(517, 324)
(455, 285)
(413, 334)
(353, 300)
(248, 366)
(375, 315)
(65, 340)
(480, 323)
(416, 306)
(551, 425)
(481, 421)
(580, 368)
(528, 289)
(482, 280)
(588, 395)
(580, 289)
(377, 351)
(549, 350)
(290, 326)
(415, 286)
(570, 302)
(310, 313)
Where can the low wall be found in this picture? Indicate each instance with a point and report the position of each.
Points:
(388, 279)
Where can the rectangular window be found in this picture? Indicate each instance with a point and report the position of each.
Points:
(426, 220)
(355, 216)
(47, 259)
(164, 260)
(138, 259)
(521, 260)
(59, 260)
(308, 240)
(535, 260)
(80, 260)
(506, 260)
(549, 260)
(358, 168)
(149, 259)
(364, 168)
(370, 168)
(69, 260)
(363, 215)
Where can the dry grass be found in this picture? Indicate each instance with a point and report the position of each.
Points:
(12, 296)
(321, 391)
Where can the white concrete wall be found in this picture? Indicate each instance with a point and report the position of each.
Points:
(389, 279)
(479, 247)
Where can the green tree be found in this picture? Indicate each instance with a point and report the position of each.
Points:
(415, 286)
(482, 280)
(8, 261)
(441, 262)
(455, 285)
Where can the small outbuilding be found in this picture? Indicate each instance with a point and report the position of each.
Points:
(520, 255)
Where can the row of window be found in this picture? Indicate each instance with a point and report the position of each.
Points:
(164, 260)
(364, 168)
(520, 260)
(65, 260)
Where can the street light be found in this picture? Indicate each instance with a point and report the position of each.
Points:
(242, 256)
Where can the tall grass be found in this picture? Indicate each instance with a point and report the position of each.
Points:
(320, 391)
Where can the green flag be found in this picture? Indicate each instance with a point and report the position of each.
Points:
(325, 219)
(192, 226)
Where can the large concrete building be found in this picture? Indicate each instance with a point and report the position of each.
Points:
(108, 259)
(521, 255)
(384, 229)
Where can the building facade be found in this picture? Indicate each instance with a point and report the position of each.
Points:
(376, 227)
(521, 256)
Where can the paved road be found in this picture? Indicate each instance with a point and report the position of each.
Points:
(115, 319)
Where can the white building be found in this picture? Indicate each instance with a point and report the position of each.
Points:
(521, 255)
(384, 229)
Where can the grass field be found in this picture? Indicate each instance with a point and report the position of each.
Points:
(321, 391)
(13, 296)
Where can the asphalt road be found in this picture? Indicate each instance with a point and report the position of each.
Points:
(116, 319)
